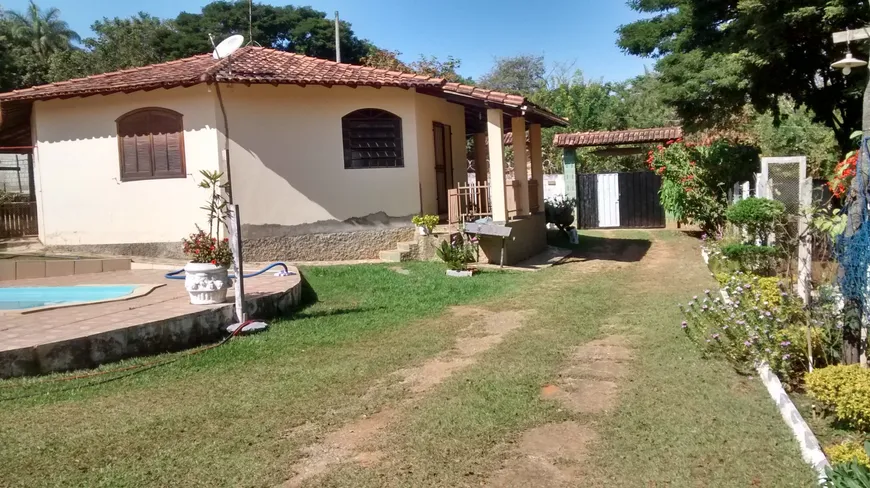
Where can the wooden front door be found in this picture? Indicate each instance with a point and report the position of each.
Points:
(443, 164)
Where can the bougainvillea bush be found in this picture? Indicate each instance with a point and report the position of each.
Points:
(844, 172)
(759, 323)
(696, 178)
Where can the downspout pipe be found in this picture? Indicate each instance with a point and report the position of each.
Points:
(226, 149)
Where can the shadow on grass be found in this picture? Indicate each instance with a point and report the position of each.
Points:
(599, 248)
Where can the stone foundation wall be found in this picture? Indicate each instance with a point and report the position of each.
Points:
(337, 246)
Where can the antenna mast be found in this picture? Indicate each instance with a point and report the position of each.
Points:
(337, 39)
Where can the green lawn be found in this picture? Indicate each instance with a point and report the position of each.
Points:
(232, 416)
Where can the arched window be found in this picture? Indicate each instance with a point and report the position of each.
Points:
(372, 139)
(151, 144)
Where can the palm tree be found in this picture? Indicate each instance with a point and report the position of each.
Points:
(42, 31)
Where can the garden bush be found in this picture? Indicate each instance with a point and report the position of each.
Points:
(759, 216)
(844, 391)
(695, 178)
(559, 211)
(847, 452)
(850, 475)
(458, 253)
(752, 327)
(752, 259)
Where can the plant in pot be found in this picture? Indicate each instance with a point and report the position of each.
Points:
(425, 223)
(206, 277)
(458, 254)
(559, 211)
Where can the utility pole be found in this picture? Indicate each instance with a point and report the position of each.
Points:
(337, 38)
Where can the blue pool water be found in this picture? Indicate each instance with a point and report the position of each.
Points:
(42, 296)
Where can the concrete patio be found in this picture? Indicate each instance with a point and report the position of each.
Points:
(86, 336)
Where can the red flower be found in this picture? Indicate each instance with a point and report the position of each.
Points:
(692, 163)
(213, 261)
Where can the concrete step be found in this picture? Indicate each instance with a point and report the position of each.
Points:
(407, 246)
(396, 256)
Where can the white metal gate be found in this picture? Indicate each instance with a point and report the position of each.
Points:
(608, 200)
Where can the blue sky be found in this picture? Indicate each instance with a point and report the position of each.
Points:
(576, 33)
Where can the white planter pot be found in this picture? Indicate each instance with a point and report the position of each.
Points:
(206, 283)
(422, 230)
(460, 274)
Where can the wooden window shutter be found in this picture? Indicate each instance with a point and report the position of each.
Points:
(151, 144)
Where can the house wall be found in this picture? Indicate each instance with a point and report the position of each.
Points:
(430, 110)
(287, 160)
(80, 197)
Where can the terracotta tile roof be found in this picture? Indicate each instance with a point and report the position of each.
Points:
(262, 65)
(247, 65)
(616, 138)
(486, 95)
(253, 65)
(182, 72)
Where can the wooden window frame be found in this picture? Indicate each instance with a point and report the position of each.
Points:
(399, 138)
(153, 175)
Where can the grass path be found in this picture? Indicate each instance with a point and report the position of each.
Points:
(678, 420)
(250, 413)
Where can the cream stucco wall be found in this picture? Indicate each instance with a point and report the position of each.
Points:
(430, 110)
(80, 196)
(288, 161)
(286, 155)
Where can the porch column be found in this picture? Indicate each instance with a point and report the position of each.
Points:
(481, 169)
(569, 166)
(521, 170)
(537, 157)
(498, 195)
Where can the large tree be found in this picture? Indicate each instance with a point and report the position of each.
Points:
(298, 29)
(42, 31)
(716, 55)
(524, 74)
(117, 44)
(424, 65)
(32, 38)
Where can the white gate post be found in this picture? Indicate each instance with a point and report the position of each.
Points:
(805, 246)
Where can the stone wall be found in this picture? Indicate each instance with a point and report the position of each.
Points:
(337, 246)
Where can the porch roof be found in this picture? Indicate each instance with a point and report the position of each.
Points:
(618, 138)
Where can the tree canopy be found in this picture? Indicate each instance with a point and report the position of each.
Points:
(424, 65)
(714, 56)
(44, 49)
(524, 74)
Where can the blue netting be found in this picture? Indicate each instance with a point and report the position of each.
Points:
(853, 249)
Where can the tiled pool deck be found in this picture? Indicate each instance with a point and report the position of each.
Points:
(89, 335)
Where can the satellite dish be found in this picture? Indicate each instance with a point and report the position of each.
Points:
(228, 46)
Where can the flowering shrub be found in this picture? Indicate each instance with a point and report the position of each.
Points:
(844, 390)
(201, 248)
(749, 328)
(695, 178)
(841, 180)
(846, 452)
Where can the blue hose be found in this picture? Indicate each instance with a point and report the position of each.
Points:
(174, 275)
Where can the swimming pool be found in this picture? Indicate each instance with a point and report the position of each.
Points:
(24, 298)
